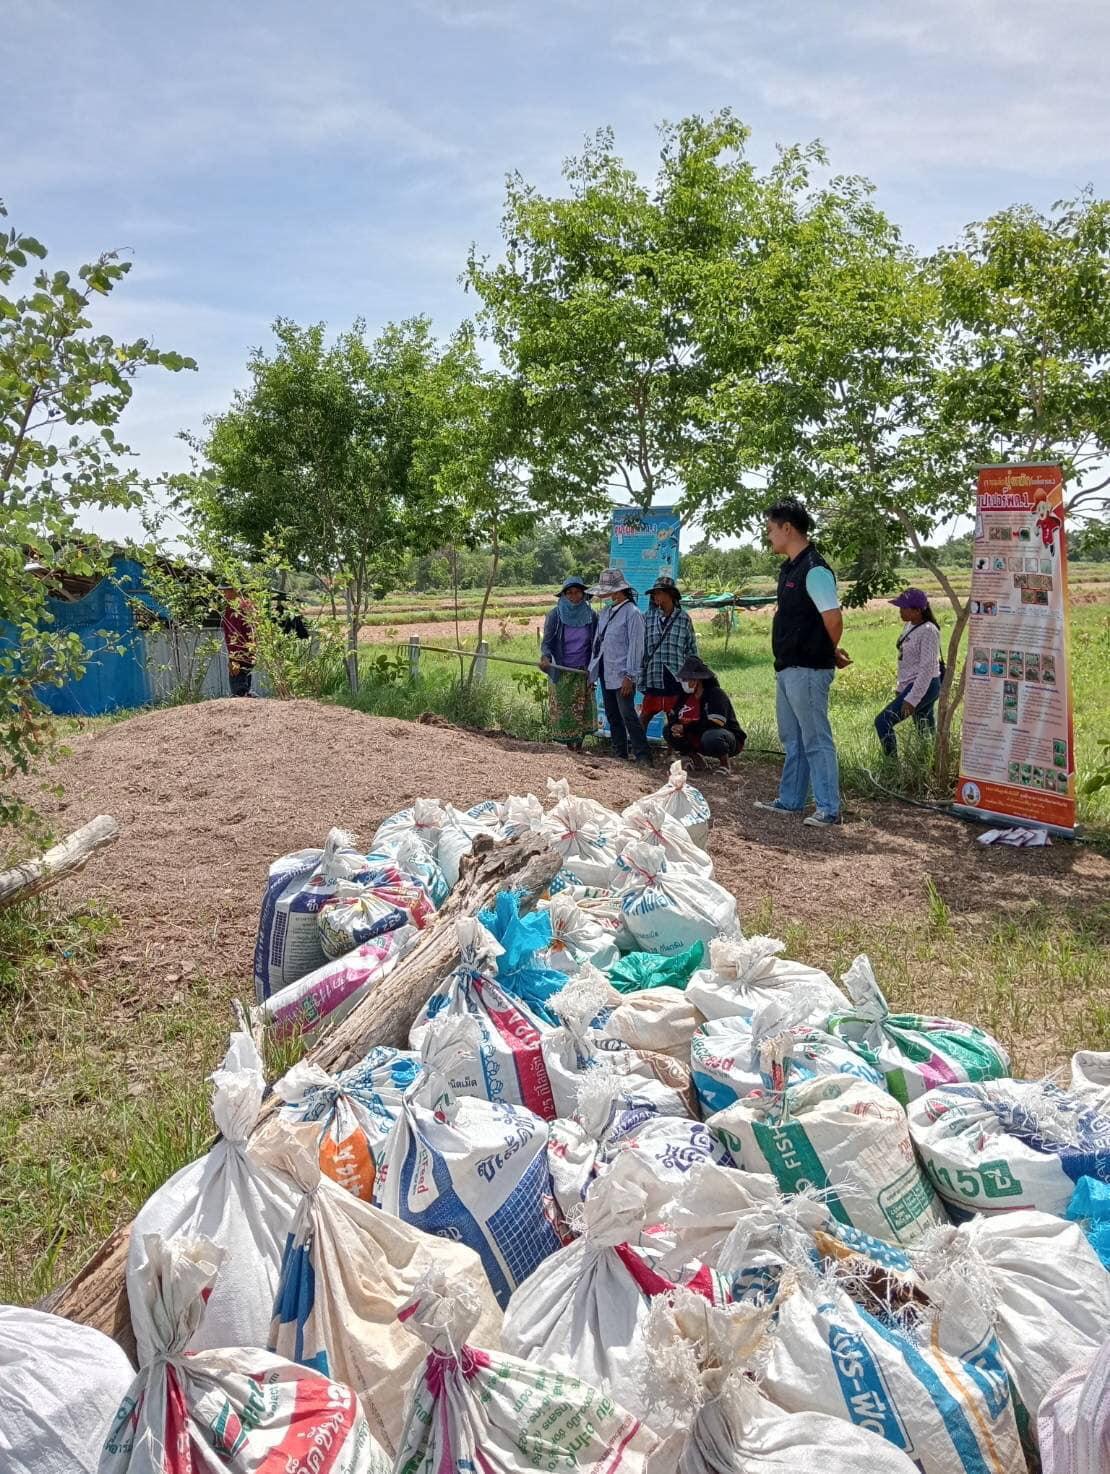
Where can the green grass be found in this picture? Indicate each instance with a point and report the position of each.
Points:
(746, 671)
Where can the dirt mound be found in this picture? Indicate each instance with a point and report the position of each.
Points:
(207, 795)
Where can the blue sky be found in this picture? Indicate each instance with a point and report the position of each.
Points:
(328, 160)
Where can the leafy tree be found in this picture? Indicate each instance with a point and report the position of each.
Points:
(334, 452)
(591, 309)
(63, 388)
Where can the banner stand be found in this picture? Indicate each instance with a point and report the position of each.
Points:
(1017, 758)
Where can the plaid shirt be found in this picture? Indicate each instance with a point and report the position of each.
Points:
(667, 643)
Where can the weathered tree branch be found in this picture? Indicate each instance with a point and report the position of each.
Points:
(34, 876)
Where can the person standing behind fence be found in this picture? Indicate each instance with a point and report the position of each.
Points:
(568, 640)
(920, 670)
(668, 641)
(239, 639)
(805, 639)
(618, 656)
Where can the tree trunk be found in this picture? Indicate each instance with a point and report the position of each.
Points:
(351, 659)
(97, 1294)
(495, 559)
(26, 880)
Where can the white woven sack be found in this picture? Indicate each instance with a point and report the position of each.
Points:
(745, 974)
(456, 839)
(288, 942)
(700, 1372)
(353, 1111)
(348, 1270)
(61, 1384)
(669, 908)
(660, 1019)
(424, 820)
(588, 838)
(1074, 1419)
(939, 1394)
(474, 1408)
(584, 1312)
(465, 1169)
(844, 1137)
(330, 992)
(997, 1145)
(559, 788)
(236, 1410)
(232, 1199)
(1046, 1287)
(576, 938)
(682, 801)
(521, 814)
(649, 823)
(1090, 1077)
(505, 1063)
(577, 1047)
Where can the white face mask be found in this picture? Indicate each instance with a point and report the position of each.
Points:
(688, 687)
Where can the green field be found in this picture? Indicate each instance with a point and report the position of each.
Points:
(513, 699)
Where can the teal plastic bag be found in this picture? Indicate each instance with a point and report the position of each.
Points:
(1090, 1207)
(522, 937)
(652, 970)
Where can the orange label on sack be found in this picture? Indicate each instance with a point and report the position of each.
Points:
(349, 1162)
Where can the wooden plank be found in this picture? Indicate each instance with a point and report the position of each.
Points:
(33, 876)
(97, 1294)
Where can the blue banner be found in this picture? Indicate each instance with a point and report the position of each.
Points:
(643, 545)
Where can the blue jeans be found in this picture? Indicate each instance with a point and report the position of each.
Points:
(802, 709)
(925, 716)
(625, 727)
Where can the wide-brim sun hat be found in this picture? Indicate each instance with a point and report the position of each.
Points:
(574, 583)
(612, 581)
(695, 669)
(664, 584)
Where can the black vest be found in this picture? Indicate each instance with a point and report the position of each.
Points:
(798, 634)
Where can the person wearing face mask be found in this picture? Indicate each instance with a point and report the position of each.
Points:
(704, 726)
(618, 655)
(568, 638)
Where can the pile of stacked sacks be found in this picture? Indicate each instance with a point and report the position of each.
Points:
(642, 1193)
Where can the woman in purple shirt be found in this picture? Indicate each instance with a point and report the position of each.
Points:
(920, 669)
(568, 637)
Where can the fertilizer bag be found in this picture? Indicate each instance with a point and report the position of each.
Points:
(60, 1386)
(576, 938)
(457, 838)
(1074, 1419)
(1049, 1293)
(669, 908)
(347, 1271)
(914, 1052)
(842, 1136)
(745, 974)
(385, 899)
(588, 838)
(1004, 1144)
(464, 1169)
(472, 1408)
(329, 994)
(231, 1198)
(648, 823)
(237, 1410)
(1090, 1077)
(412, 856)
(682, 801)
(353, 1111)
(288, 942)
(423, 821)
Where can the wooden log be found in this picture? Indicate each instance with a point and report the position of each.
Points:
(33, 876)
(97, 1294)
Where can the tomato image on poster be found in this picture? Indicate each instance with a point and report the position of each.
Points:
(1018, 749)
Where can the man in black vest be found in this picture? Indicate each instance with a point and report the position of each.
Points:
(805, 640)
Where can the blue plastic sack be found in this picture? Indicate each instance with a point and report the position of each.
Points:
(522, 937)
(1090, 1207)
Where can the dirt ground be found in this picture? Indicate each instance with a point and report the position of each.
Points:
(207, 795)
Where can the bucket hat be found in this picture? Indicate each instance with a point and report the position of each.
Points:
(574, 582)
(695, 669)
(612, 581)
(911, 599)
(665, 584)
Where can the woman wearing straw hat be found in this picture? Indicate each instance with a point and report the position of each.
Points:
(668, 640)
(618, 656)
(568, 639)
